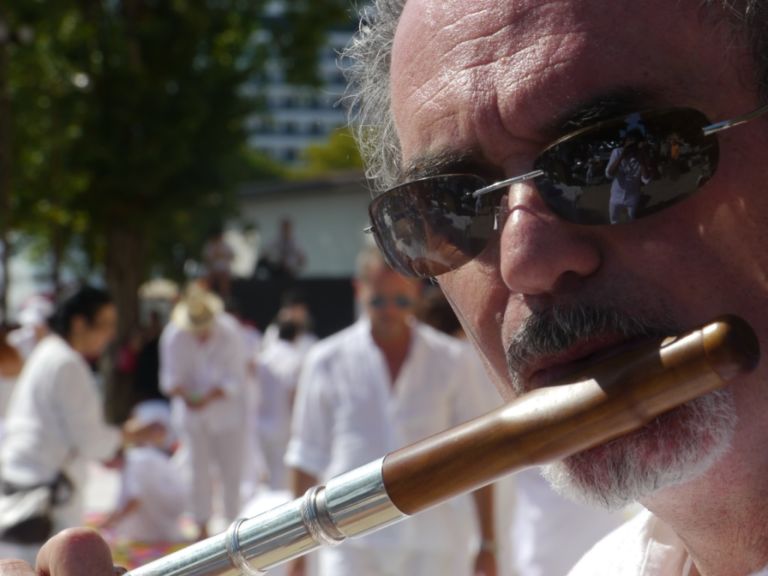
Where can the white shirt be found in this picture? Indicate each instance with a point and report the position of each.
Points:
(6, 389)
(550, 533)
(151, 477)
(24, 339)
(197, 367)
(278, 369)
(644, 546)
(348, 414)
(304, 341)
(55, 415)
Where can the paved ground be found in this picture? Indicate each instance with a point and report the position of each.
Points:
(101, 490)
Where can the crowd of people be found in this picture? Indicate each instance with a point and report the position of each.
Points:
(251, 419)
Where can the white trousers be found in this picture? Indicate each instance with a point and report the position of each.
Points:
(224, 450)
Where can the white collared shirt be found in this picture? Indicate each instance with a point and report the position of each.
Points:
(198, 367)
(644, 546)
(55, 416)
(348, 414)
(151, 477)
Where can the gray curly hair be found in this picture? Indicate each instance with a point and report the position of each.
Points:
(367, 66)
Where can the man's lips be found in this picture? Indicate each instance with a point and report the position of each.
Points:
(553, 368)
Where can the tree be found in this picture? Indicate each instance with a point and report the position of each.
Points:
(129, 131)
(338, 153)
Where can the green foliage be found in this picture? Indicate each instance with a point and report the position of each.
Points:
(339, 153)
(130, 115)
(300, 30)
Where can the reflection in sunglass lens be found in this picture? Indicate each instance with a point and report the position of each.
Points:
(608, 173)
(625, 169)
(426, 226)
(401, 301)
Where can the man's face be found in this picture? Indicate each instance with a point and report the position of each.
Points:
(496, 82)
(388, 299)
(99, 333)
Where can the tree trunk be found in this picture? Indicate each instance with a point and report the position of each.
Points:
(5, 177)
(125, 272)
(57, 257)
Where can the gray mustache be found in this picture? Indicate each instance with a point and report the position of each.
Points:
(556, 329)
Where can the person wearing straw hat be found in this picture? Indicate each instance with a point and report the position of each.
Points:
(202, 369)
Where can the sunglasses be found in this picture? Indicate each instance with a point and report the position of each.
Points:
(400, 301)
(612, 172)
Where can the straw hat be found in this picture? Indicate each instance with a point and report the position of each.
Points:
(197, 311)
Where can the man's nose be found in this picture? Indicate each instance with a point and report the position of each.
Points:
(540, 253)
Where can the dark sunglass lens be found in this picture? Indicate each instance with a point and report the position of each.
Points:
(402, 302)
(622, 170)
(377, 302)
(433, 225)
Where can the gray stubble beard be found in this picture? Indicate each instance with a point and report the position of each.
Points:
(673, 448)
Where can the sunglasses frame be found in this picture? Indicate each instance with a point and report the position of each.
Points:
(399, 301)
(393, 260)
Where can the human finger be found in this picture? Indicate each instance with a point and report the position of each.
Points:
(74, 552)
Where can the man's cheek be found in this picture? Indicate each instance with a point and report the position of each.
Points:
(480, 308)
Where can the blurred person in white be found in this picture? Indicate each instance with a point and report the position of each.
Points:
(385, 382)
(294, 310)
(202, 369)
(255, 471)
(11, 363)
(433, 309)
(217, 259)
(152, 496)
(278, 374)
(55, 423)
(286, 343)
(33, 327)
(283, 255)
(33, 324)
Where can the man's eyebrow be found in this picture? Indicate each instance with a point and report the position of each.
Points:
(602, 107)
(444, 162)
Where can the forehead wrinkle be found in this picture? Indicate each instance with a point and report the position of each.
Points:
(470, 44)
(478, 86)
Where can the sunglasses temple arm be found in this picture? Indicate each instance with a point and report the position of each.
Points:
(725, 124)
(508, 182)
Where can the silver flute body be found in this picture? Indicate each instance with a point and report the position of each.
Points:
(349, 505)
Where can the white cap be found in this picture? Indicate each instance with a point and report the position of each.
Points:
(35, 311)
(152, 411)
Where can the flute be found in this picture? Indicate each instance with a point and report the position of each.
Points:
(599, 403)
